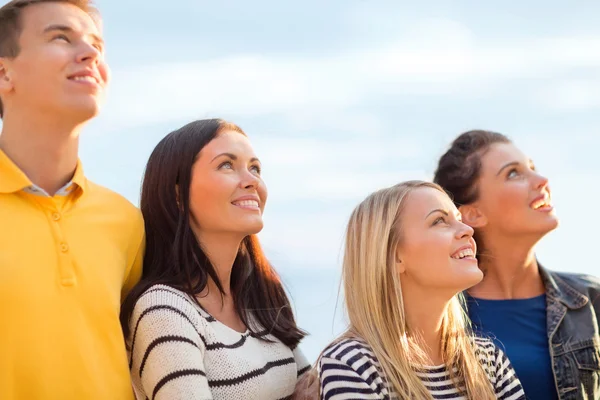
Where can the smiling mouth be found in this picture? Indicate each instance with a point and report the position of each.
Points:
(463, 254)
(541, 204)
(249, 204)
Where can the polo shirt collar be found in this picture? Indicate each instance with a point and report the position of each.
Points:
(13, 180)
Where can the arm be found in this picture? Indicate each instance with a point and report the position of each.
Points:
(167, 350)
(135, 259)
(507, 385)
(302, 364)
(338, 379)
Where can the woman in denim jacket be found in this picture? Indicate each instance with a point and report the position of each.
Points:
(547, 322)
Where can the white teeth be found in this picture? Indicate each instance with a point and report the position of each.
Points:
(247, 203)
(84, 78)
(464, 253)
(539, 203)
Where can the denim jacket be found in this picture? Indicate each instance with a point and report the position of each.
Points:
(573, 320)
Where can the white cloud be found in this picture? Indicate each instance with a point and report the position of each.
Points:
(432, 58)
(572, 95)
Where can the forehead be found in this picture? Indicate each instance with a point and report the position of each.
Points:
(422, 201)
(228, 142)
(37, 17)
(499, 154)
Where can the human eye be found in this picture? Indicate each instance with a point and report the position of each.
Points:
(512, 173)
(61, 36)
(256, 168)
(226, 165)
(439, 220)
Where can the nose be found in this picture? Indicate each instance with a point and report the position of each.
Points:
(248, 180)
(463, 230)
(539, 181)
(88, 52)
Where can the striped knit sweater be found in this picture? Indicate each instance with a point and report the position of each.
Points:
(348, 369)
(179, 351)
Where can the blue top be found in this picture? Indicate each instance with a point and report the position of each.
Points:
(518, 327)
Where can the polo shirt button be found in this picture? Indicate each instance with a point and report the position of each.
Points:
(55, 216)
(64, 247)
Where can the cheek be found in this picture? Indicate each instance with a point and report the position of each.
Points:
(263, 194)
(104, 70)
(428, 253)
(510, 202)
(208, 199)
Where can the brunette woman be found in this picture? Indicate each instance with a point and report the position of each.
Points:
(210, 318)
(547, 321)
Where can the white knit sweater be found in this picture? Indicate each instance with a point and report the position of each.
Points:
(179, 351)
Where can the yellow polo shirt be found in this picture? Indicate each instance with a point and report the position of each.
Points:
(65, 264)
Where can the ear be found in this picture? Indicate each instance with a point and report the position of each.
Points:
(400, 266)
(473, 216)
(6, 84)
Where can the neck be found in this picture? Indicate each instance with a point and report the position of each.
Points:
(425, 310)
(44, 148)
(221, 250)
(510, 270)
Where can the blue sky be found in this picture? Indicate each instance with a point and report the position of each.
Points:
(344, 97)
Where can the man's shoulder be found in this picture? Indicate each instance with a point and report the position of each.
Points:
(113, 200)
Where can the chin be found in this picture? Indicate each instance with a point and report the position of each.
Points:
(84, 109)
(253, 229)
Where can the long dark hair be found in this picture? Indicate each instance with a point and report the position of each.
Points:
(175, 258)
(460, 167)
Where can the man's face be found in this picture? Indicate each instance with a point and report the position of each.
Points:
(60, 69)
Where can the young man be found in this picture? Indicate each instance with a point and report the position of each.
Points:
(69, 249)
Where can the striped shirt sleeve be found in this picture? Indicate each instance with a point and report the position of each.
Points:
(347, 372)
(166, 349)
(507, 384)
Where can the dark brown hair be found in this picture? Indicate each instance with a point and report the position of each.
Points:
(460, 167)
(11, 24)
(175, 258)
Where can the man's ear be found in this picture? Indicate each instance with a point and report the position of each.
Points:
(473, 216)
(6, 84)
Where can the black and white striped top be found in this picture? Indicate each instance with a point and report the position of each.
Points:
(179, 351)
(348, 369)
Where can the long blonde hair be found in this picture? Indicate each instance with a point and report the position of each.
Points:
(376, 310)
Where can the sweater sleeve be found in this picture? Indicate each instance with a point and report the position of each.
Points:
(167, 349)
(302, 364)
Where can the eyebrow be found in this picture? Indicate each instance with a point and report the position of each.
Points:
(511, 164)
(438, 210)
(233, 157)
(68, 29)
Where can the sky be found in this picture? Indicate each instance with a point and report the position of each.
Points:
(344, 97)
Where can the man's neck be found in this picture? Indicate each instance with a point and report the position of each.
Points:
(45, 149)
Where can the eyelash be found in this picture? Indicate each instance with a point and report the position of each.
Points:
(258, 169)
(61, 36)
(438, 219)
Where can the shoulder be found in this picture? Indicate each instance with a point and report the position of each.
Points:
(164, 299)
(115, 202)
(349, 349)
(587, 284)
(348, 366)
(490, 355)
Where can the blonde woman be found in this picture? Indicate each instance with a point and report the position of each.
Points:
(407, 257)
